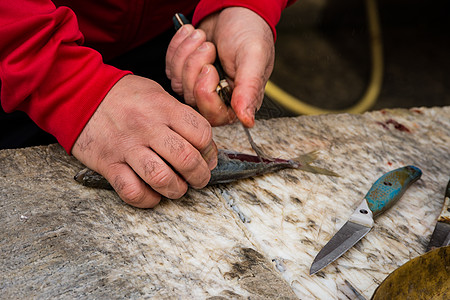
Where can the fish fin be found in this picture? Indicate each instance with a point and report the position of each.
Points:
(305, 160)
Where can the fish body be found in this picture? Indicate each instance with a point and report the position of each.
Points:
(231, 166)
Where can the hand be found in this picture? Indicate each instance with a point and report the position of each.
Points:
(245, 46)
(136, 132)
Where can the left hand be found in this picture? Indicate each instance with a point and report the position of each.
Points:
(245, 45)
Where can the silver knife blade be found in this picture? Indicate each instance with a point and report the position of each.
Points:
(440, 237)
(359, 224)
(441, 233)
(343, 240)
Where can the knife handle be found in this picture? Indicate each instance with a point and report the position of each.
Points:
(386, 191)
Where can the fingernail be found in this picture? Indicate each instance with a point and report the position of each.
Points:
(210, 155)
(203, 47)
(195, 35)
(251, 113)
(205, 70)
(183, 31)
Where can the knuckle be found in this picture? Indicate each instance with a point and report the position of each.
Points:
(205, 90)
(168, 72)
(179, 55)
(205, 136)
(189, 160)
(137, 122)
(177, 86)
(188, 93)
(255, 86)
(190, 64)
(132, 194)
(201, 91)
(256, 82)
(160, 178)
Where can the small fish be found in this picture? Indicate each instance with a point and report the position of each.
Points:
(231, 166)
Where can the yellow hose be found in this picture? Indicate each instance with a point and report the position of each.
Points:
(373, 90)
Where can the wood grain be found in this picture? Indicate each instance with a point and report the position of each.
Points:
(255, 238)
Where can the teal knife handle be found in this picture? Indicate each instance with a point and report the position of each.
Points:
(386, 191)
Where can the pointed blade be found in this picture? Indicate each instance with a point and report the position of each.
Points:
(343, 240)
(441, 233)
(440, 237)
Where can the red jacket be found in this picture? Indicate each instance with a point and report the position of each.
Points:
(49, 68)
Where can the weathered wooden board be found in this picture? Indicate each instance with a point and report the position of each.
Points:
(254, 238)
(59, 239)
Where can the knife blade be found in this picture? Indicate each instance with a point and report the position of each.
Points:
(384, 193)
(441, 233)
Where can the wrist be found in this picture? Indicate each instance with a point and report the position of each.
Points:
(268, 10)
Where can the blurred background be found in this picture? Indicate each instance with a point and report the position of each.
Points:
(324, 52)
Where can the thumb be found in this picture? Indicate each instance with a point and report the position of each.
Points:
(252, 72)
(248, 94)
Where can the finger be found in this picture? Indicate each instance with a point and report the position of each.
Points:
(183, 157)
(208, 101)
(247, 97)
(177, 39)
(251, 77)
(195, 129)
(156, 173)
(130, 187)
(205, 54)
(189, 44)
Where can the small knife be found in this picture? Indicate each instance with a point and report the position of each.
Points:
(441, 233)
(384, 193)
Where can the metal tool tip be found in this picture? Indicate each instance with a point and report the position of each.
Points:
(314, 269)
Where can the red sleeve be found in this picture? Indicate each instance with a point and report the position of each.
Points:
(44, 70)
(269, 10)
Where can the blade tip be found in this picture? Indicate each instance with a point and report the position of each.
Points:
(314, 270)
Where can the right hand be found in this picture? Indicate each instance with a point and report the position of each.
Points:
(146, 143)
(245, 45)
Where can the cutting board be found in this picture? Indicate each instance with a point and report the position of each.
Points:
(254, 238)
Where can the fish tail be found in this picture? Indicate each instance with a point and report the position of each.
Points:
(306, 159)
